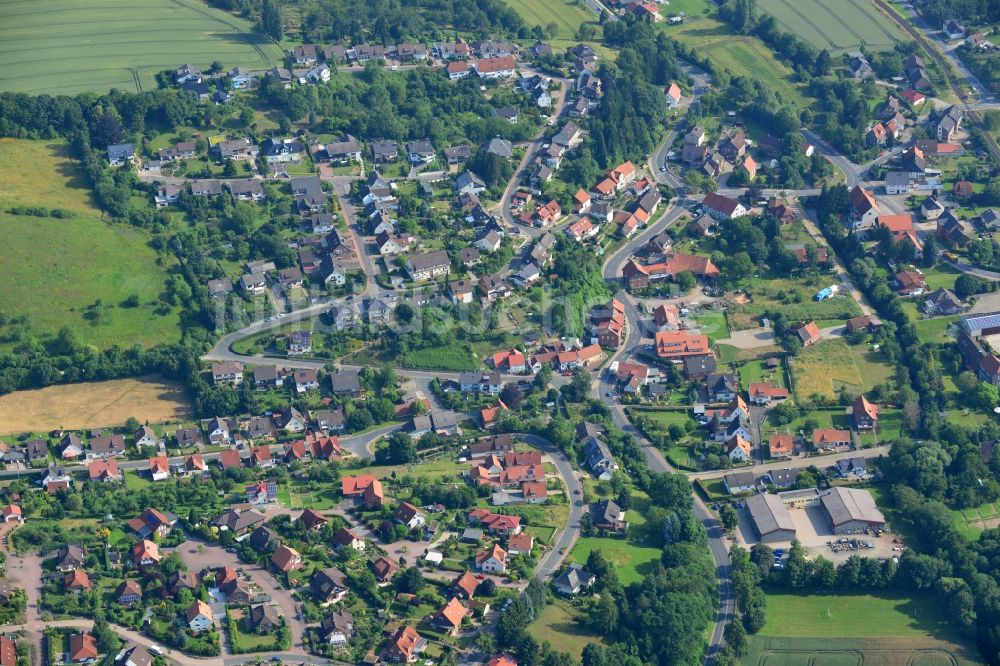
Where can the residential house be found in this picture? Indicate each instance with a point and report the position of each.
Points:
(199, 616)
(83, 648)
(607, 515)
(159, 468)
(864, 414)
(831, 438)
(428, 266)
(573, 581)
(722, 207)
(943, 302)
(492, 560)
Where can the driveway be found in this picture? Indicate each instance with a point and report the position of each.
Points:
(212, 557)
(752, 338)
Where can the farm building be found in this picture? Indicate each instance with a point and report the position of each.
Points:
(771, 518)
(986, 323)
(851, 510)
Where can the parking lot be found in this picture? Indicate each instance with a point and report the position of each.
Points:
(813, 530)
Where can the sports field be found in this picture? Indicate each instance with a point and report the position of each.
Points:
(72, 46)
(567, 15)
(887, 630)
(93, 404)
(851, 651)
(835, 25)
(57, 269)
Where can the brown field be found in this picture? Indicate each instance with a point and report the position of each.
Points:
(94, 404)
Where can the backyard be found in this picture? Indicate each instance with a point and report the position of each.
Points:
(794, 298)
(557, 626)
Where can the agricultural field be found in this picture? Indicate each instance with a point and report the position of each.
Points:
(67, 47)
(835, 25)
(93, 404)
(85, 267)
(744, 56)
(826, 367)
(566, 15)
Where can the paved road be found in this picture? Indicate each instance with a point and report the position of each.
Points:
(612, 268)
(798, 463)
(213, 556)
(531, 150)
(564, 542)
(289, 656)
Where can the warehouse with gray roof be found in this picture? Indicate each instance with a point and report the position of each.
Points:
(851, 510)
(771, 518)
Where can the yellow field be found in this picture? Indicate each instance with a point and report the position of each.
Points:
(824, 368)
(94, 404)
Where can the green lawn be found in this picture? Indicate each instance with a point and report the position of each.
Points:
(557, 626)
(713, 324)
(933, 330)
(631, 561)
(855, 615)
(67, 47)
(756, 371)
(821, 418)
(58, 269)
(566, 15)
(942, 275)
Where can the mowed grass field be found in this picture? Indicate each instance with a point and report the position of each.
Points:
(884, 629)
(851, 651)
(93, 404)
(56, 268)
(72, 46)
(567, 15)
(835, 25)
(556, 625)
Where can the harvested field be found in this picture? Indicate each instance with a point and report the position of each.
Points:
(94, 404)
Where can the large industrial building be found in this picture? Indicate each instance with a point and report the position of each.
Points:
(851, 510)
(771, 518)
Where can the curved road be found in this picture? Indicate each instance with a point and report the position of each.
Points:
(612, 270)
